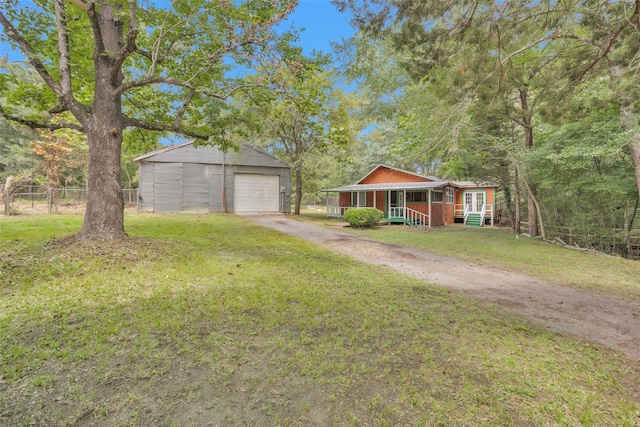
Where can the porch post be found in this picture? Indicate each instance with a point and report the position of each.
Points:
(327, 202)
(404, 202)
(374, 198)
(429, 195)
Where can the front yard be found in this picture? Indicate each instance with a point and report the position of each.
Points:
(202, 319)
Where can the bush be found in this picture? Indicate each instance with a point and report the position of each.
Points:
(363, 217)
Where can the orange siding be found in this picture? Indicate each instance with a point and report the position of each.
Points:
(491, 194)
(449, 213)
(369, 199)
(420, 207)
(345, 199)
(386, 175)
(437, 214)
(381, 200)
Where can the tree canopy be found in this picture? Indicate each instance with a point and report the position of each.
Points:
(104, 66)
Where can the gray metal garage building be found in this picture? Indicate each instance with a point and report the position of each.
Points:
(185, 178)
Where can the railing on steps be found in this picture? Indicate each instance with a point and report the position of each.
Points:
(482, 214)
(467, 209)
(410, 216)
(416, 218)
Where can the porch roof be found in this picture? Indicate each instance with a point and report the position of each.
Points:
(416, 186)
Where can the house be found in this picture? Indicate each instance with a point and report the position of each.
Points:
(186, 178)
(411, 198)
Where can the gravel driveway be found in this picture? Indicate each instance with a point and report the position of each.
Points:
(592, 316)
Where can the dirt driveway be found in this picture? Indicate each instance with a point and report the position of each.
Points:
(595, 317)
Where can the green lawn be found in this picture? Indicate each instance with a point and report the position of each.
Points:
(498, 247)
(202, 319)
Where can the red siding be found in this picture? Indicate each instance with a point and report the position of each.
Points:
(386, 175)
(345, 199)
(380, 200)
(491, 194)
(449, 212)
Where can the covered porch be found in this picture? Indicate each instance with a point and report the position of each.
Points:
(407, 203)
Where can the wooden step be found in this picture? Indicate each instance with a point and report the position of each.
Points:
(473, 220)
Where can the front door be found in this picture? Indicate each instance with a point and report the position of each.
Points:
(474, 201)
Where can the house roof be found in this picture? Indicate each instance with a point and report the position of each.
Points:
(390, 186)
(417, 185)
(432, 178)
(470, 184)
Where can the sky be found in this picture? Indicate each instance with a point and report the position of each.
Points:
(322, 22)
(320, 19)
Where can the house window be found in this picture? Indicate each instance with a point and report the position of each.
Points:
(450, 195)
(416, 196)
(363, 199)
(436, 196)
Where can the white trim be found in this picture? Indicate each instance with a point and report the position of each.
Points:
(453, 195)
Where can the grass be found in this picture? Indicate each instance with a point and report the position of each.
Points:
(210, 319)
(498, 247)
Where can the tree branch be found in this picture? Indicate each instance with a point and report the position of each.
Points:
(67, 98)
(130, 43)
(63, 48)
(95, 26)
(141, 124)
(81, 4)
(61, 108)
(32, 56)
(179, 83)
(522, 49)
(184, 107)
(36, 125)
(604, 50)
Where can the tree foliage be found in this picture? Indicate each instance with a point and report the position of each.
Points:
(104, 66)
(303, 120)
(539, 96)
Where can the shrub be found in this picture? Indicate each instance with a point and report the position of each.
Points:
(363, 217)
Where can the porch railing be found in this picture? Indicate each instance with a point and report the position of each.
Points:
(416, 218)
(412, 216)
(467, 208)
(336, 211)
(396, 212)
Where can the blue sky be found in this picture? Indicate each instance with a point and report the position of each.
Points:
(322, 22)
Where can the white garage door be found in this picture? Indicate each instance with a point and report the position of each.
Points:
(256, 193)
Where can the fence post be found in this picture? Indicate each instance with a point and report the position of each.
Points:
(49, 198)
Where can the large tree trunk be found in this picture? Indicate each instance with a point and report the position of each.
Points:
(527, 126)
(634, 146)
(517, 219)
(629, 121)
(104, 217)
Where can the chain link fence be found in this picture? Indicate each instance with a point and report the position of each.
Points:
(27, 199)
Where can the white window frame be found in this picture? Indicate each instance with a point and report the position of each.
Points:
(363, 198)
(433, 193)
(450, 196)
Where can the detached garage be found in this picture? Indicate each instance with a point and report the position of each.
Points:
(184, 178)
